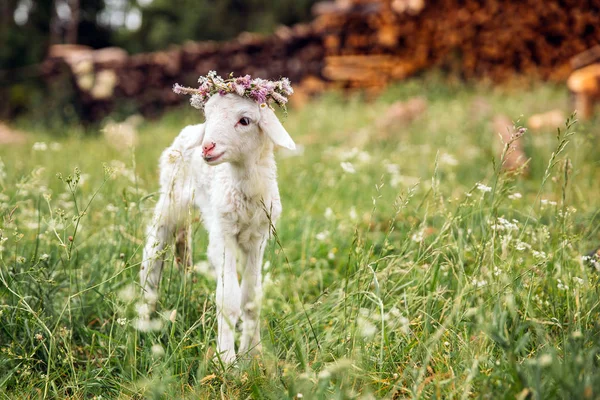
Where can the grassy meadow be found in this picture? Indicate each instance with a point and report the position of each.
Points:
(407, 263)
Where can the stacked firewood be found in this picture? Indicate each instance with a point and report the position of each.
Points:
(105, 80)
(372, 42)
(350, 44)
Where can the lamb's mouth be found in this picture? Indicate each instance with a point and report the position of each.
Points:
(212, 159)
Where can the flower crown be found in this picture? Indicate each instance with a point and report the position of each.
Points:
(261, 91)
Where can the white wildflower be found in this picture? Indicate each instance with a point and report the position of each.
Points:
(545, 202)
(147, 325)
(348, 167)
(353, 214)
(448, 159)
(515, 196)
(40, 146)
(545, 360)
(483, 188)
(121, 321)
(157, 350)
(522, 246)
(478, 283)
(561, 286)
(329, 213)
(324, 374)
(366, 328)
(321, 236)
(418, 236)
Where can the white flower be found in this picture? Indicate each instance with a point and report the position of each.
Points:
(147, 325)
(324, 374)
(366, 328)
(448, 159)
(561, 286)
(157, 350)
(545, 360)
(503, 224)
(321, 236)
(44, 257)
(515, 196)
(478, 283)
(121, 321)
(329, 213)
(352, 214)
(348, 167)
(483, 188)
(418, 236)
(522, 246)
(40, 146)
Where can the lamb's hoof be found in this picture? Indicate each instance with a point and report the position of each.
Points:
(227, 357)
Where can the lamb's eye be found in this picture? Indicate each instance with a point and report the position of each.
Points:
(245, 121)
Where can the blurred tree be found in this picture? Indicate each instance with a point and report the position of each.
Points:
(166, 22)
(28, 27)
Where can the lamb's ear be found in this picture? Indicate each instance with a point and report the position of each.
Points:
(189, 138)
(270, 125)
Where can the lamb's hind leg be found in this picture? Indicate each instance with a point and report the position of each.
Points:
(183, 246)
(158, 235)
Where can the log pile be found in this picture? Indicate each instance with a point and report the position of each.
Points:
(492, 39)
(350, 44)
(105, 80)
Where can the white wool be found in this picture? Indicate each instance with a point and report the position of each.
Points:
(238, 197)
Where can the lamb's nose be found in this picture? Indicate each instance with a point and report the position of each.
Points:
(209, 148)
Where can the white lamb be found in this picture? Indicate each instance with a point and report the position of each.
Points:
(226, 168)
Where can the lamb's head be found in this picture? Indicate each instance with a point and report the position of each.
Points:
(238, 129)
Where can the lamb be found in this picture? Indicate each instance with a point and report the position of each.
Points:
(226, 168)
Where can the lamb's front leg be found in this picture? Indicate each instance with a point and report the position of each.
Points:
(252, 298)
(222, 253)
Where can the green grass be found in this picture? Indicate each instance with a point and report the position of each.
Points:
(397, 281)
